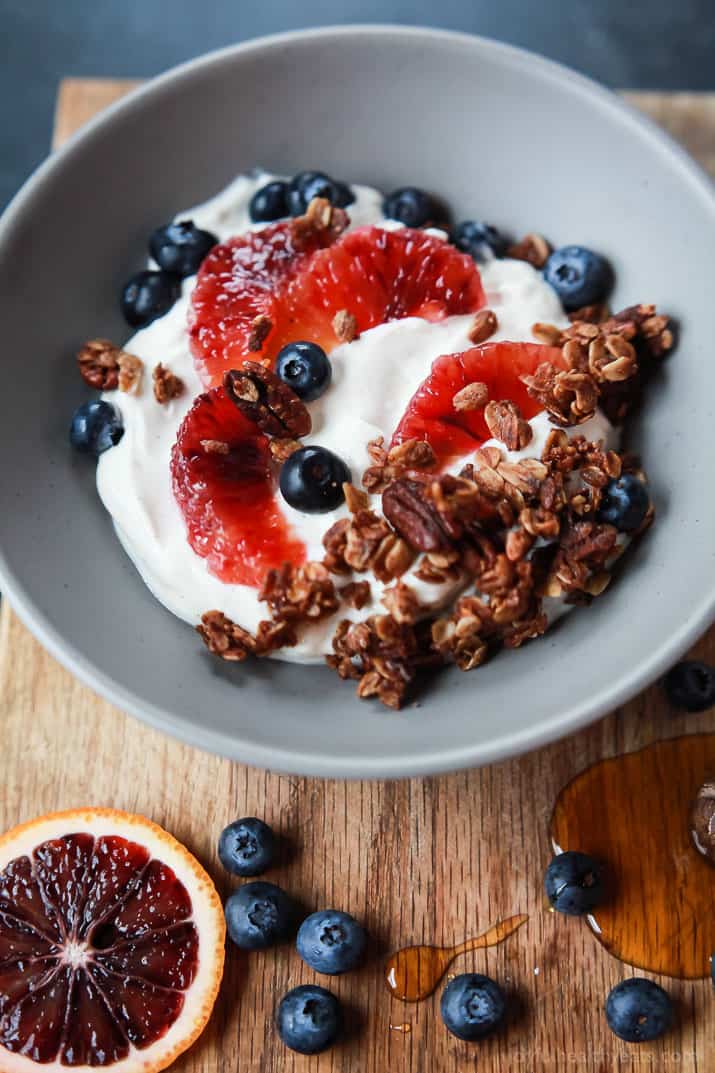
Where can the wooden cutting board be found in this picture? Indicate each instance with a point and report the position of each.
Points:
(432, 860)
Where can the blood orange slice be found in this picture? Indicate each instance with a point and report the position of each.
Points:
(223, 484)
(240, 280)
(374, 274)
(111, 944)
(430, 414)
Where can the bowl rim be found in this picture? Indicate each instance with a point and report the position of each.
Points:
(568, 719)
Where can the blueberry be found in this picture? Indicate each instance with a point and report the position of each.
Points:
(344, 195)
(411, 206)
(480, 241)
(306, 185)
(638, 1010)
(690, 685)
(472, 1006)
(96, 426)
(181, 247)
(245, 847)
(270, 202)
(331, 942)
(579, 276)
(305, 368)
(309, 1019)
(259, 915)
(573, 883)
(625, 503)
(149, 295)
(312, 478)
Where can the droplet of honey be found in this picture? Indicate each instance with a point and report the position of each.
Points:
(633, 812)
(413, 973)
(404, 1027)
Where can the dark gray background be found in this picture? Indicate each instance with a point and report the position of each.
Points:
(656, 44)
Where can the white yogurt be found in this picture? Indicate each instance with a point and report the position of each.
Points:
(373, 379)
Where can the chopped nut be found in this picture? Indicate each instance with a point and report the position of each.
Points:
(282, 447)
(356, 594)
(484, 324)
(505, 422)
(215, 447)
(131, 369)
(355, 498)
(345, 326)
(260, 330)
(167, 386)
(99, 364)
(265, 399)
(413, 516)
(472, 397)
(532, 248)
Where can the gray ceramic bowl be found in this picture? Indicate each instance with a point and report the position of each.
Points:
(502, 135)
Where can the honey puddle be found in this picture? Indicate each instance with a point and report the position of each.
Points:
(633, 813)
(413, 973)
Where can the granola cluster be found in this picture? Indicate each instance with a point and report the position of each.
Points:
(605, 359)
(501, 537)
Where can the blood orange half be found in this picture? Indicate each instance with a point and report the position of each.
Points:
(111, 944)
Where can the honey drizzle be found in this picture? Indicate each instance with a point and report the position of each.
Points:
(413, 973)
(633, 813)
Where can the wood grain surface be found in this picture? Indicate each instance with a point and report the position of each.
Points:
(433, 860)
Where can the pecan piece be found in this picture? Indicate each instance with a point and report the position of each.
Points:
(505, 422)
(414, 518)
(265, 399)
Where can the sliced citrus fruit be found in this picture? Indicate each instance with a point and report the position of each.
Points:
(430, 414)
(111, 944)
(223, 484)
(239, 280)
(374, 274)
